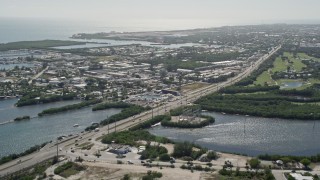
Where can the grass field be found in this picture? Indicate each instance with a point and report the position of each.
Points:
(264, 77)
(281, 65)
(297, 64)
(194, 86)
(305, 56)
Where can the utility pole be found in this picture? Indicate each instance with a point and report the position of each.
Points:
(57, 148)
(152, 112)
(108, 123)
(115, 126)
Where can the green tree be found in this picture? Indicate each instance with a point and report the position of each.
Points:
(306, 162)
(285, 160)
(212, 155)
(126, 177)
(163, 74)
(164, 157)
(254, 163)
(182, 149)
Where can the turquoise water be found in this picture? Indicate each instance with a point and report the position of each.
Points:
(16, 137)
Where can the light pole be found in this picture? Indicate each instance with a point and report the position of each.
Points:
(152, 111)
(108, 123)
(57, 148)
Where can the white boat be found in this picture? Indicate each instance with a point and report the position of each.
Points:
(157, 124)
(76, 125)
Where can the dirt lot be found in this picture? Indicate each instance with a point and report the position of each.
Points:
(114, 171)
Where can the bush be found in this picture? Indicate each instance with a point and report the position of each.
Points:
(126, 177)
(184, 167)
(187, 158)
(225, 172)
(63, 167)
(119, 162)
(206, 169)
(164, 157)
(254, 163)
(198, 168)
(182, 149)
(212, 155)
(152, 175)
(152, 152)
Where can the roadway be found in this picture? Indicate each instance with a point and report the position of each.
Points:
(50, 150)
(38, 75)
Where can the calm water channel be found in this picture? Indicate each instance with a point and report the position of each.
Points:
(16, 137)
(252, 135)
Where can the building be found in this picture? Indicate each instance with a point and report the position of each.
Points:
(298, 176)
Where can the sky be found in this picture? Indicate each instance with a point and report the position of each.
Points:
(167, 13)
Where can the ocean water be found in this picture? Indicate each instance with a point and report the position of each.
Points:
(24, 29)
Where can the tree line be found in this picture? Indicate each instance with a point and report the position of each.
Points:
(69, 107)
(264, 108)
(109, 105)
(208, 120)
(30, 99)
(11, 157)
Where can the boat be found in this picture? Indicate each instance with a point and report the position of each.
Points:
(76, 125)
(157, 124)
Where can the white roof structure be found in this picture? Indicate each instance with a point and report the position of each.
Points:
(300, 177)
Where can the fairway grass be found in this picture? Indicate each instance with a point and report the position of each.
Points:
(263, 78)
(280, 65)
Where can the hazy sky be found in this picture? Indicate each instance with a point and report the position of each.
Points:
(166, 13)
